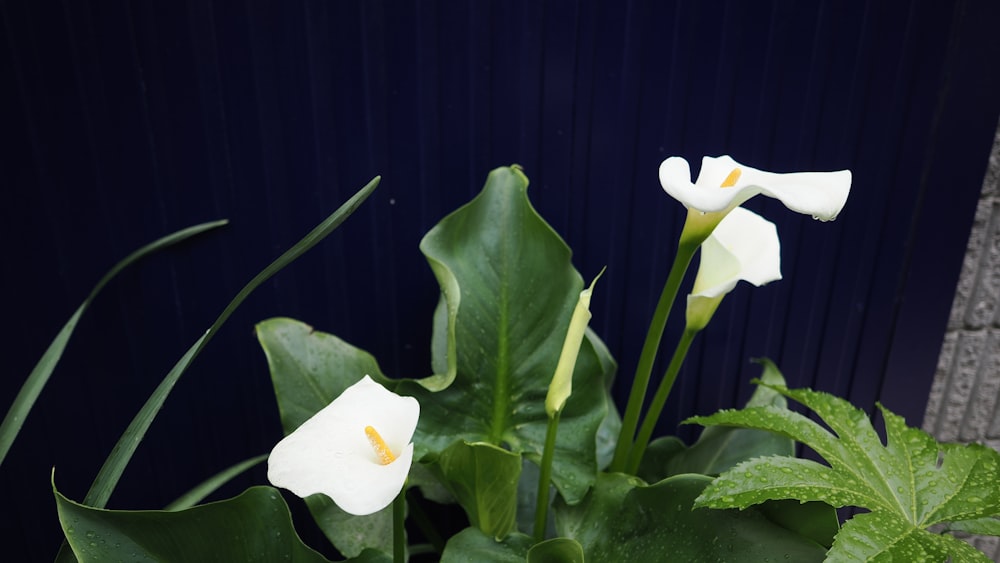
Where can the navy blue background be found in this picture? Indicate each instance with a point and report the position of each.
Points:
(123, 121)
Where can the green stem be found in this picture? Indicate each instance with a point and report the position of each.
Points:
(398, 528)
(544, 477)
(423, 521)
(659, 400)
(686, 248)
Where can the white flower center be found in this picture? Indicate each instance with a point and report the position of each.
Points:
(385, 455)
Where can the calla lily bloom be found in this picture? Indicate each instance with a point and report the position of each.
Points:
(561, 386)
(744, 246)
(724, 184)
(356, 450)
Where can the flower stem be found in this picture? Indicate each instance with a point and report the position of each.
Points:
(659, 400)
(423, 521)
(544, 477)
(398, 527)
(686, 248)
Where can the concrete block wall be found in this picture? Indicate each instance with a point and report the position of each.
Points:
(963, 404)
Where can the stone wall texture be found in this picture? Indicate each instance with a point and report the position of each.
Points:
(963, 404)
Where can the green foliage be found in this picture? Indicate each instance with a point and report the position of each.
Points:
(500, 346)
(107, 478)
(472, 546)
(556, 550)
(484, 479)
(624, 519)
(111, 471)
(255, 526)
(40, 374)
(719, 447)
(508, 290)
(909, 484)
(518, 290)
(309, 369)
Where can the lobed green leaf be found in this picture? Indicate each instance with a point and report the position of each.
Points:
(989, 526)
(909, 483)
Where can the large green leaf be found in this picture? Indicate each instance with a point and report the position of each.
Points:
(721, 447)
(107, 478)
(111, 471)
(556, 550)
(623, 519)
(254, 526)
(484, 479)
(472, 546)
(39, 375)
(517, 291)
(909, 484)
(309, 369)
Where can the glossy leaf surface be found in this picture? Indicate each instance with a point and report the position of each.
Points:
(909, 483)
(518, 289)
(309, 369)
(484, 479)
(623, 519)
(472, 546)
(254, 526)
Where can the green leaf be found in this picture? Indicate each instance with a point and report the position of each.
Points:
(254, 526)
(989, 526)
(720, 447)
(109, 474)
(39, 375)
(210, 485)
(556, 550)
(817, 521)
(607, 433)
(518, 289)
(887, 538)
(484, 479)
(472, 546)
(309, 369)
(909, 484)
(352, 535)
(623, 519)
(113, 467)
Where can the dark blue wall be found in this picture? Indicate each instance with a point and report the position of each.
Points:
(122, 121)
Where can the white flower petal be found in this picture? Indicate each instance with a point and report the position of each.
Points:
(744, 246)
(330, 453)
(819, 194)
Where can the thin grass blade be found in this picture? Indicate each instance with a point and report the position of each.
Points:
(39, 375)
(210, 485)
(114, 466)
(107, 478)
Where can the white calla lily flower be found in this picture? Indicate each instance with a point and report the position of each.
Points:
(744, 246)
(724, 184)
(356, 450)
